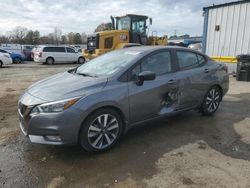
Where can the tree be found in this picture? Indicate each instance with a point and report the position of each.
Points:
(29, 38)
(44, 40)
(70, 38)
(64, 39)
(36, 35)
(84, 38)
(103, 27)
(18, 34)
(77, 38)
(57, 35)
(51, 37)
(4, 39)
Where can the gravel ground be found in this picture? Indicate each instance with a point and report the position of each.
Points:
(188, 150)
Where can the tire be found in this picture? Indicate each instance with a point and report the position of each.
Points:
(94, 136)
(81, 60)
(50, 61)
(211, 101)
(17, 60)
(1, 64)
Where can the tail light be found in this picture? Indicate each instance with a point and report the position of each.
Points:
(40, 54)
(225, 68)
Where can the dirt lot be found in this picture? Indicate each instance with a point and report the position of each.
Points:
(187, 150)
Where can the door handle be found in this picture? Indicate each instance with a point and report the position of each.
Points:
(206, 71)
(171, 82)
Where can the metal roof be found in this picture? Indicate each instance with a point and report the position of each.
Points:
(226, 4)
(132, 15)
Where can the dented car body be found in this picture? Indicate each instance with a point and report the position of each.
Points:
(138, 83)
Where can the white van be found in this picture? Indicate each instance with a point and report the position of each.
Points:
(57, 54)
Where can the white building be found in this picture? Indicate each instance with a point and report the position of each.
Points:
(226, 29)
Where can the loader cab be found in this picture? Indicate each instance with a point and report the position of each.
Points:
(136, 24)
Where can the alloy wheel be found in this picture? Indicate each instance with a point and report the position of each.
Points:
(213, 100)
(81, 60)
(103, 131)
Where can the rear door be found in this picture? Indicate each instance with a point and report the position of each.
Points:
(193, 75)
(157, 97)
(60, 54)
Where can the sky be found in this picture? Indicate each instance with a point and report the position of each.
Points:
(169, 16)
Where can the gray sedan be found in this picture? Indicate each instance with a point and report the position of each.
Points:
(97, 102)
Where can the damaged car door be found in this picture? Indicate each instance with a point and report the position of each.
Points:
(157, 97)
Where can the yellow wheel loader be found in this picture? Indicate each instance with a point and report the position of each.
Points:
(129, 30)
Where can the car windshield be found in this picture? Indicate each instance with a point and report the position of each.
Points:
(107, 64)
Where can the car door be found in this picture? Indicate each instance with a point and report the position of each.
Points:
(62, 54)
(193, 78)
(71, 54)
(157, 97)
(58, 53)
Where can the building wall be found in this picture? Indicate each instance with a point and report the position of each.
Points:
(233, 37)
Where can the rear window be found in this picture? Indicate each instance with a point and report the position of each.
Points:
(3, 51)
(54, 49)
(189, 60)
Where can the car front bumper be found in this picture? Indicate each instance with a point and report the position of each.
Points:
(50, 128)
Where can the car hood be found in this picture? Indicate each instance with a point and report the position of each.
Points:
(65, 85)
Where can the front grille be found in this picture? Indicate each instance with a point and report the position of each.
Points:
(92, 42)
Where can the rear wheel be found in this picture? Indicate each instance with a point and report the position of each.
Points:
(211, 101)
(50, 61)
(81, 60)
(101, 130)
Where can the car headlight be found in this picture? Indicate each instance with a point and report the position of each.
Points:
(53, 107)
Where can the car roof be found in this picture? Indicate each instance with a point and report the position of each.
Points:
(54, 46)
(148, 49)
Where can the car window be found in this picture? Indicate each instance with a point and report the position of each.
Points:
(108, 64)
(187, 60)
(70, 50)
(201, 59)
(3, 51)
(48, 49)
(59, 49)
(54, 49)
(159, 63)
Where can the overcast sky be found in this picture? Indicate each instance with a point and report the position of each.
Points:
(184, 16)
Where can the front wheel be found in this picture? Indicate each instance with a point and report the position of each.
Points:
(81, 60)
(211, 101)
(1, 64)
(101, 130)
(17, 60)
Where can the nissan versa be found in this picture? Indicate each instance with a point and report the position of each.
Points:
(95, 103)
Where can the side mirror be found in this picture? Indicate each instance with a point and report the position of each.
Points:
(150, 21)
(145, 76)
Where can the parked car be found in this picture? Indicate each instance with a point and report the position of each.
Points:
(16, 57)
(32, 53)
(26, 50)
(5, 58)
(95, 103)
(57, 54)
(196, 46)
(16, 48)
